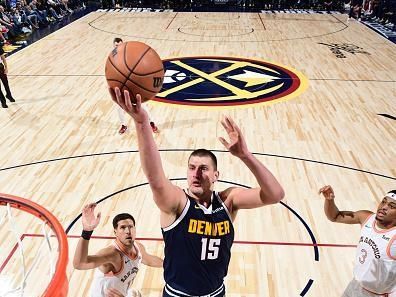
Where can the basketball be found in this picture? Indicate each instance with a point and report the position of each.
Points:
(136, 67)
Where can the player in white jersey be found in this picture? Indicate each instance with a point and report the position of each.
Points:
(117, 264)
(116, 42)
(375, 263)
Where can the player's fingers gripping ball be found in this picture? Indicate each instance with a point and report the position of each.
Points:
(136, 67)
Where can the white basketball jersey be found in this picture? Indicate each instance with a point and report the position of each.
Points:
(375, 263)
(120, 280)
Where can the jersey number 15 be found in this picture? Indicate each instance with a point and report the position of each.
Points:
(210, 248)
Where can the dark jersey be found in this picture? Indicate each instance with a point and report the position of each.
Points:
(198, 249)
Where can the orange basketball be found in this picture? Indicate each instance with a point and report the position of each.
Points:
(136, 67)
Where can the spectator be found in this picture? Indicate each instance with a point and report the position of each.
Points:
(328, 5)
(6, 21)
(4, 80)
(356, 9)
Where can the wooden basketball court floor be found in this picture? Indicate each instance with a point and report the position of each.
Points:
(60, 146)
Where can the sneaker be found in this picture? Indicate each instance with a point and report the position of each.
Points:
(122, 129)
(10, 98)
(154, 127)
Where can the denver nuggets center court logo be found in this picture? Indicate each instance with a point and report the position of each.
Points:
(224, 81)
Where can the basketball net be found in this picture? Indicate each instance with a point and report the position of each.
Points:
(31, 269)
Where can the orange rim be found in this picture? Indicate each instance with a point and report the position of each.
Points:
(58, 286)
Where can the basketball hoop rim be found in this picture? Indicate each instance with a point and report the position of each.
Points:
(58, 285)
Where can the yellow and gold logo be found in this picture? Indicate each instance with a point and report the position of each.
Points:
(224, 81)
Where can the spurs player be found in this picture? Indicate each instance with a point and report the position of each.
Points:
(118, 264)
(375, 263)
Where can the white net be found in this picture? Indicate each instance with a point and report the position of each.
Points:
(29, 251)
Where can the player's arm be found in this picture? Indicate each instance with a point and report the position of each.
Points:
(168, 197)
(148, 259)
(269, 190)
(82, 260)
(335, 215)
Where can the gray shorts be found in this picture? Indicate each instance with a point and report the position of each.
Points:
(354, 289)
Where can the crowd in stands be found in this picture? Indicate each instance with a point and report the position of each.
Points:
(381, 11)
(19, 17)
